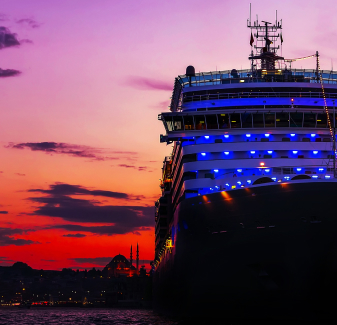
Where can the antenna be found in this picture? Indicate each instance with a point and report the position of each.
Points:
(264, 40)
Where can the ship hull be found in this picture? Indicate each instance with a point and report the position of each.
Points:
(268, 252)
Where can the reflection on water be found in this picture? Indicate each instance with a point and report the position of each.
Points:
(81, 316)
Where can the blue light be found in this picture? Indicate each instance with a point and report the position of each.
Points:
(327, 176)
(314, 176)
(298, 169)
(313, 135)
(249, 181)
(211, 189)
(226, 152)
(267, 135)
(270, 152)
(286, 177)
(206, 136)
(295, 152)
(226, 136)
(217, 187)
(252, 152)
(315, 152)
(227, 184)
(292, 134)
(267, 170)
(274, 179)
(203, 153)
(239, 183)
(239, 170)
(320, 169)
(216, 170)
(248, 135)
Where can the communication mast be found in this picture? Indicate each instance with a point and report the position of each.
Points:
(265, 36)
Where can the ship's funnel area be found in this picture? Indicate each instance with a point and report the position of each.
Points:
(190, 71)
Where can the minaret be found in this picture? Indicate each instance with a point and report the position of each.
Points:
(131, 257)
(137, 258)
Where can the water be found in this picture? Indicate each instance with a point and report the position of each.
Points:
(81, 316)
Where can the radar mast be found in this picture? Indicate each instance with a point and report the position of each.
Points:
(265, 35)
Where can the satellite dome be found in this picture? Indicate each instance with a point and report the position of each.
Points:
(190, 71)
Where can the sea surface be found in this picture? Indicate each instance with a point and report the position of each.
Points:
(50, 315)
(97, 316)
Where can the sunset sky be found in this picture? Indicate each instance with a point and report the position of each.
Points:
(80, 158)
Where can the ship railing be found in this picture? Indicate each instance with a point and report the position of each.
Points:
(281, 171)
(294, 95)
(221, 77)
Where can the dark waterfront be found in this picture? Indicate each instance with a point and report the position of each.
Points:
(93, 316)
(49, 315)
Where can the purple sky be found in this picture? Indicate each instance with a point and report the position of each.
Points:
(83, 111)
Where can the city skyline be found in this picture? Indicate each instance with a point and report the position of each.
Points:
(79, 136)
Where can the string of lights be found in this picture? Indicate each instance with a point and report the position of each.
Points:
(327, 114)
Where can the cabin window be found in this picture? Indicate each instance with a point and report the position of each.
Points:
(169, 123)
(309, 120)
(296, 119)
(258, 121)
(321, 120)
(200, 122)
(282, 120)
(211, 122)
(189, 122)
(178, 123)
(235, 121)
(223, 121)
(247, 120)
(269, 120)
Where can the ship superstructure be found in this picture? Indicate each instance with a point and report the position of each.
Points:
(236, 135)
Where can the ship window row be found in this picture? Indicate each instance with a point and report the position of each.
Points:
(301, 91)
(243, 172)
(263, 93)
(246, 120)
(251, 137)
(265, 154)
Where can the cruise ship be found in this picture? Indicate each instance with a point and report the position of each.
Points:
(245, 225)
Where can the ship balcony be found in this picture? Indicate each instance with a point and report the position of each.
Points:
(257, 163)
(209, 186)
(253, 149)
(261, 102)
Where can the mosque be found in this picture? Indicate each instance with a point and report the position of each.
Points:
(120, 266)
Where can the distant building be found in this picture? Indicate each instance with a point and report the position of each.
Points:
(121, 266)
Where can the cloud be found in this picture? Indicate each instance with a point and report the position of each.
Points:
(7, 39)
(3, 212)
(6, 237)
(126, 166)
(19, 174)
(62, 189)
(75, 235)
(121, 219)
(140, 168)
(28, 41)
(102, 261)
(148, 84)
(9, 73)
(72, 150)
(101, 230)
(48, 260)
(28, 22)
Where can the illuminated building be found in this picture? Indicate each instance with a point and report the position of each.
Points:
(121, 266)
